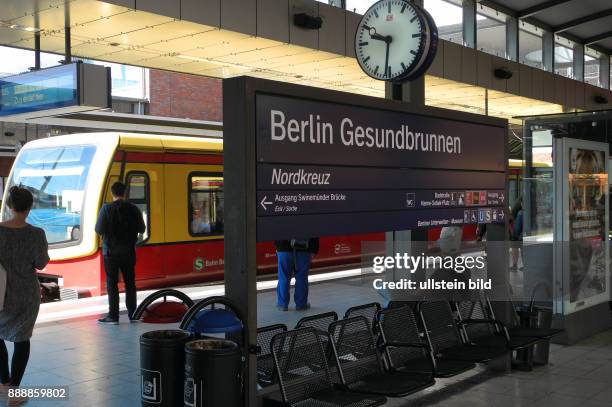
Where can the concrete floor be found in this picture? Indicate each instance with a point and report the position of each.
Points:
(100, 364)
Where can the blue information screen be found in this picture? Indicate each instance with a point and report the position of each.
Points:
(50, 88)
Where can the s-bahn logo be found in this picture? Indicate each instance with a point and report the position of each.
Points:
(198, 264)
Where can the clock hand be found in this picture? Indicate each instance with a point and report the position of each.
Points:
(376, 36)
(387, 58)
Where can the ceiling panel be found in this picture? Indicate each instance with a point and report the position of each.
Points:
(127, 56)
(78, 12)
(48, 42)
(594, 28)
(10, 36)
(18, 9)
(178, 45)
(127, 21)
(93, 49)
(160, 34)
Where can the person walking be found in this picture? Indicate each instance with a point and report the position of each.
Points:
(294, 257)
(23, 250)
(516, 236)
(119, 224)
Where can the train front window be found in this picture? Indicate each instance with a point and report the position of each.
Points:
(57, 178)
(205, 204)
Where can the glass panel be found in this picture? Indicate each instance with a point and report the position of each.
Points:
(206, 205)
(530, 45)
(15, 60)
(138, 188)
(491, 31)
(448, 17)
(564, 57)
(57, 178)
(538, 178)
(591, 66)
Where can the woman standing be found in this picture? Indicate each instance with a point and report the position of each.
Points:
(516, 236)
(23, 250)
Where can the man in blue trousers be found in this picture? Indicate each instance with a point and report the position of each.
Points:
(294, 257)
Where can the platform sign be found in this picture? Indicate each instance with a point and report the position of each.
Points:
(53, 91)
(302, 162)
(327, 168)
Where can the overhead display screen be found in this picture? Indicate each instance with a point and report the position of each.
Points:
(39, 90)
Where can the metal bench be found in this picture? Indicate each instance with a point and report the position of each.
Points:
(359, 364)
(265, 361)
(304, 375)
(405, 349)
(444, 339)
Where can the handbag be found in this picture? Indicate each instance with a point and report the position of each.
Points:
(2, 286)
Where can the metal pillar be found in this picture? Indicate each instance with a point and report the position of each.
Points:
(512, 38)
(469, 23)
(67, 36)
(604, 71)
(579, 62)
(548, 51)
(36, 51)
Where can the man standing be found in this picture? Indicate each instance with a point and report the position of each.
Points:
(119, 224)
(294, 257)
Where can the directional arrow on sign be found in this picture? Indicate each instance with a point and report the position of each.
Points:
(264, 203)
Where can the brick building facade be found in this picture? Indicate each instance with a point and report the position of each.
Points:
(185, 96)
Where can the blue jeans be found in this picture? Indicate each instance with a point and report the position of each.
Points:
(296, 265)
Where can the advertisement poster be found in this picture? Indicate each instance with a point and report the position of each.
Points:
(588, 188)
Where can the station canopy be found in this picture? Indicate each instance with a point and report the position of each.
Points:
(108, 32)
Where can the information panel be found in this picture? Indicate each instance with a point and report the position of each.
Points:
(57, 90)
(338, 168)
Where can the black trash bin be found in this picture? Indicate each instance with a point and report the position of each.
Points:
(538, 317)
(162, 361)
(213, 373)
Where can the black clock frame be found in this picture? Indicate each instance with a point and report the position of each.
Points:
(426, 53)
(431, 50)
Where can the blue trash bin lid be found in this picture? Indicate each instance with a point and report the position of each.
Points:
(215, 321)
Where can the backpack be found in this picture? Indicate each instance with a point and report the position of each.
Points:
(122, 230)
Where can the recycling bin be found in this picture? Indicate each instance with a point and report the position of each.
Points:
(162, 361)
(213, 373)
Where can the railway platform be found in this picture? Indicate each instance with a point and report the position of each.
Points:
(100, 364)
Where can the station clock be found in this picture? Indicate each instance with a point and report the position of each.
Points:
(395, 41)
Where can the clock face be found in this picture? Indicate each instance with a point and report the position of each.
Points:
(392, 40)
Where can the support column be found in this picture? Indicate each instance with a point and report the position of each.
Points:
(36, 51)
(512, 38)
(67, 37)
(469, 23)
(548, 51)
(406, 241)
(579, 62)
(604, 71)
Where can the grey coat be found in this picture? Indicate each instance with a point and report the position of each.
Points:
(22, 252)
